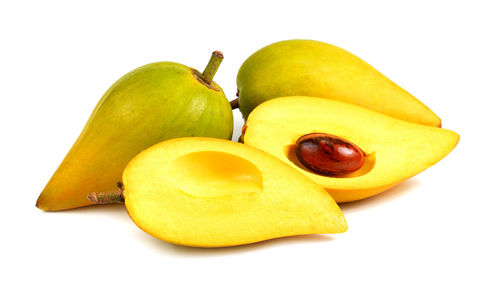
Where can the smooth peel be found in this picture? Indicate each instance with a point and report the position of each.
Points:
(318, 69)
(152, 103)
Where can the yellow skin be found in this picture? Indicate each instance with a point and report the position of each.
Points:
(207, 192)
(395, 150)
(150, 104)
(313, 68)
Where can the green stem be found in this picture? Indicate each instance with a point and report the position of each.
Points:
(212, 66)
(103, 198)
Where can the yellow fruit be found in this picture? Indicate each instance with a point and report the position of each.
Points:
(208, 192)
(395, 150)
(152, 103)
(313, 68)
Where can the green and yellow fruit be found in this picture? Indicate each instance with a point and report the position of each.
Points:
(393, 150)
(208, 192)
(313, 68)
(155, 102)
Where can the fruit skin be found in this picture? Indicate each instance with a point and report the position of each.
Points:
(313, 68)
(196, 201)
(152, 103)
(395, 150)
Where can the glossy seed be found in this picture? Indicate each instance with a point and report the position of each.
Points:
(328, 155)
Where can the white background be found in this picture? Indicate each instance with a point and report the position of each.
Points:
(437, 230)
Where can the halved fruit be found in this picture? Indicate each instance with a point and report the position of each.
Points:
(395, 150)
(208, 192)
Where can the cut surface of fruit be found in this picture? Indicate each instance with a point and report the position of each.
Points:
(395, 150)
(209, 193)
(318, 69)
(212, 174)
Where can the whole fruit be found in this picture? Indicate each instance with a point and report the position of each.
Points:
(313, 68)
(152, 103)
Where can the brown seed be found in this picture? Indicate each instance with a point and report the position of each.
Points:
(328, 155)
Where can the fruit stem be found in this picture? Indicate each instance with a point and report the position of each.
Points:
(212, 66)
(103, 198)
(235, 103)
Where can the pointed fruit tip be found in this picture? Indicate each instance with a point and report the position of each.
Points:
(39, 204)
(343, 228)
(339, 222)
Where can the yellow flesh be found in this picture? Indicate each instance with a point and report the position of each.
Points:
(208, 174)
(397, 149)
(209, 193)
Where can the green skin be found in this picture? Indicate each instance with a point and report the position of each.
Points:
(313, 68)
(150, 104)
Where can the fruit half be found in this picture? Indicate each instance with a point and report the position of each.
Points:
(395, 150)
(208, 192)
